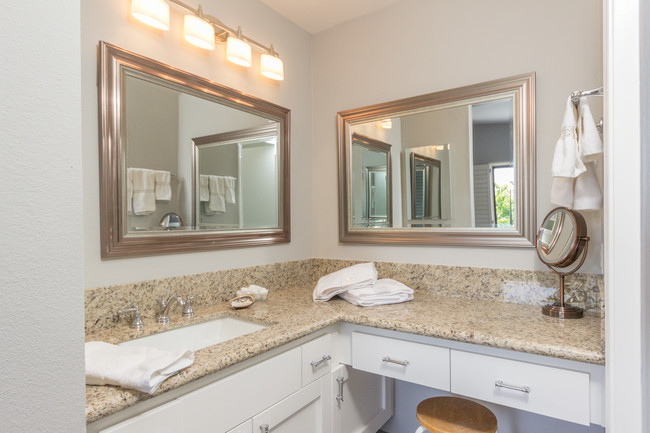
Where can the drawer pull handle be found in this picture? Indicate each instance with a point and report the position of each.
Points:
(340, 380)
(325, 358)
(394, 361)
(499, 384)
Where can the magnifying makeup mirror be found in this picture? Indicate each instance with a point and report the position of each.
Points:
(562, 240)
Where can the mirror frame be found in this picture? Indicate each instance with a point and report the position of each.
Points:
(380, 146)
(115, 242)
(522, 87)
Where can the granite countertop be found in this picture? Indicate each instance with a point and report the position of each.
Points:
(496, 324)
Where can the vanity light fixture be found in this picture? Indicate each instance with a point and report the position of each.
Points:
(238, 50)
(154, 13)
(198, 32)
(205, 30)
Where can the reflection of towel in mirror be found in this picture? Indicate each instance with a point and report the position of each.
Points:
(163, 185)
(217, 202)
(144, 198)
(587, 194)
(129, 191)
(135, 367)
(591, 146)
(204, 187)
(384, 291)
(230, 189)
(353, 277)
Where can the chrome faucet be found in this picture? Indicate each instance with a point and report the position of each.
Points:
(165, 307)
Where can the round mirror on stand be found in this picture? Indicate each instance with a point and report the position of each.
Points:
(562, 240)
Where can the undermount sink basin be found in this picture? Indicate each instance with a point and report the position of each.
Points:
(198, 336)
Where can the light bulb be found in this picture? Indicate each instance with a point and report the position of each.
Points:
(199, 32)
(272, 67)
(154, 13)
(238, 51)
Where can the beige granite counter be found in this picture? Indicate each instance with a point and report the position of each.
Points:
(291, 315)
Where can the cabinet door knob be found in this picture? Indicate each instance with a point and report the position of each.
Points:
(264, 428)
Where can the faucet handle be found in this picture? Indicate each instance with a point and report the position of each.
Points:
(136, 323)
(188, 311)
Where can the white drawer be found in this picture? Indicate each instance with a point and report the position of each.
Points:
(553, 392)
(227, 403)
(318, 357)
(404, 360)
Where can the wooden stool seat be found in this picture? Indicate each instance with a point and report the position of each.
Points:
(455, 415)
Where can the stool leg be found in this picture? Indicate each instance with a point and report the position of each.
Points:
(420, 430)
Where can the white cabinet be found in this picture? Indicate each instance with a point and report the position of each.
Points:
(221, 406)
(246, 427)
(299, 413)
(163, 419)
(318, 357)
(554, 392)
(364, 403)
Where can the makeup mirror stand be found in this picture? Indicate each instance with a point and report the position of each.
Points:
(562, 310)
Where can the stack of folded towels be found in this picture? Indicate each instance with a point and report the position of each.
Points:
(359, 285)
(141, 368)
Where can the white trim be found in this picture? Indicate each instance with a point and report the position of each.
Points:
(622, 217)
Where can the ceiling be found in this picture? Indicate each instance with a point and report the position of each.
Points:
(315, 16)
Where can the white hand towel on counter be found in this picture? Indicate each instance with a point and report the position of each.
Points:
(384, 291)
(353, 277)
(141, 368)
(591, 146)
(587, 194)
(144, 198)
(204, 187)
(230, 189)
(163, 188)
(217, 202)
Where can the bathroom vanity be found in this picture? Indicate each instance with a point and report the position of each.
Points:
(329, 367)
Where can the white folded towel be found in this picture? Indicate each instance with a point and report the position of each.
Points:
(144, 198)
(141, 368)
(587, 194)
(591, 146)
(217, 202)
(230, 189)
(163, 188)
(129, 191)
(384, 291)
(566, 159)
(204, 187)
(353, 277)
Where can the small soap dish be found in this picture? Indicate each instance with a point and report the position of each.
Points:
(243, 301)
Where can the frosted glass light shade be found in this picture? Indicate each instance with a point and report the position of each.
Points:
(238, 51)
(198, 32)
(272, 67)
(154, 13)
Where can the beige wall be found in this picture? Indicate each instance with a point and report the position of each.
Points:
(110, 21)
(423, 46)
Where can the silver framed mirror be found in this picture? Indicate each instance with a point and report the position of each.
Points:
(479, 142)
(163, 131)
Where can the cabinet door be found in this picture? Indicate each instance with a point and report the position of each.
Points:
(301, 412)
(163, 419)
(246, 427)
(364, 403)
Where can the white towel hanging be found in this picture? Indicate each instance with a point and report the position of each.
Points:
(163, 189)
(566, 159)
(591, 146)
(144, 198)
(587, 194)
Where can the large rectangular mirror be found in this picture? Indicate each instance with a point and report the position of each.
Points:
(464, 165)
(187, 164)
